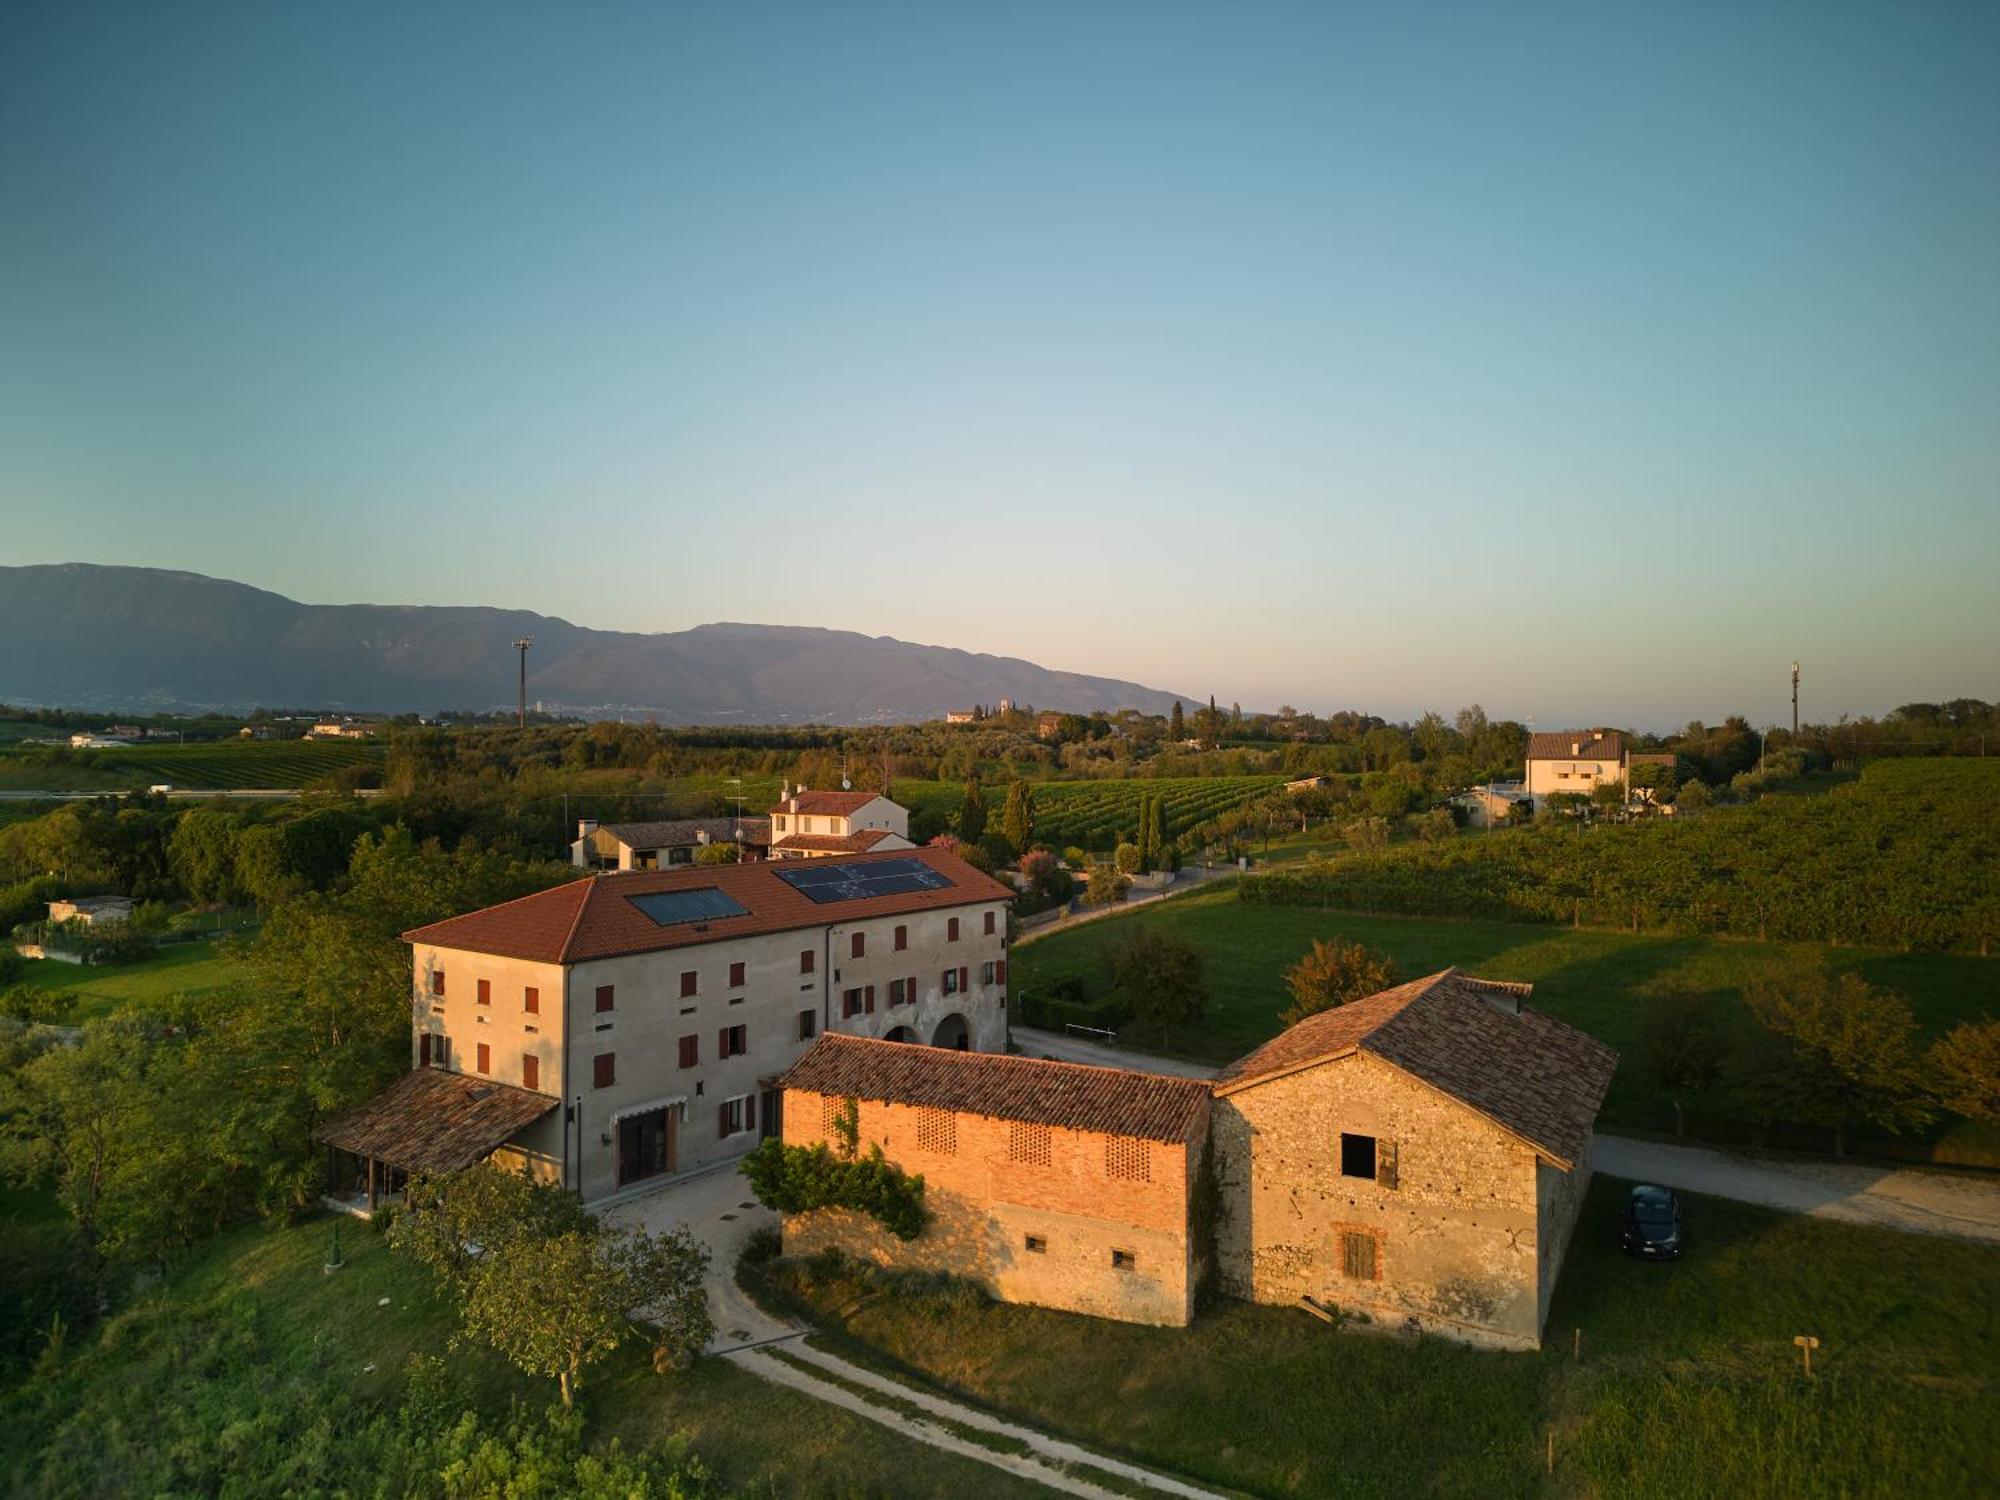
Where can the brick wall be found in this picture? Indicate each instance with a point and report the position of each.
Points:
(992, 1184)
(1455, 1237)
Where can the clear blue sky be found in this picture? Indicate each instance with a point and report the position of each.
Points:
(1589, 361)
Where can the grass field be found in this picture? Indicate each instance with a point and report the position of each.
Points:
(219, 766)
(1600, 981)
(178, 1394)
(1688, 1386)
(185, 968)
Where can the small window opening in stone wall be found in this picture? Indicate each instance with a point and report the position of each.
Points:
(1359, 1259)
(1037, 1245)
(1357, 1156)
(1124, 1260)
(1028, 1143)
(937, 1131)
(1129, 1158)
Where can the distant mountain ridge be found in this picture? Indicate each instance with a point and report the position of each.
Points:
(116, 638)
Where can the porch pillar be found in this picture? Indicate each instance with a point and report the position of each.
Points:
(371, 1187)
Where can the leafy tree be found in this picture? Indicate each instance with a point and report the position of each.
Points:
(1683, 1047)
(724, 853)
(1334, 972)
(972, 813)
(451, 1220)
(1018, 819)
(1367, 835)
(1128, 859)
(804, 1179)
(1159, 976)
(201, 853)
(552, 1308)
(1843, 1053)
(1107, 885)
(1965, 1066)
(1436, 825)
(36, 1006)
(1608, 795)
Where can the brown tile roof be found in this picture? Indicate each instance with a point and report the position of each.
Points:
(673, 833)
(1470, 1038)
(836, 843)
(1113, 1101)
(593, 917)
(835, 804)
(1597, 744)
(433, 1121)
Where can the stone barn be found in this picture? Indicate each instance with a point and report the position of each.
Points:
(1052, 1183)
(1418, 1157)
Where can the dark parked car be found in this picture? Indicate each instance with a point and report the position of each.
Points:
(1650, 1224)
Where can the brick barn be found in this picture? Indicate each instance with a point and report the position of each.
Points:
(1051, 1183)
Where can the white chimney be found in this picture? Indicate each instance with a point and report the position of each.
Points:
(585, 827)
(1575, 747)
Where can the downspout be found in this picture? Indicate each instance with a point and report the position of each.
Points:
(826, 980)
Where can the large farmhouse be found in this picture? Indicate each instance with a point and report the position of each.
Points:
(1418, 1158)
(630, 1026)
(824, 825)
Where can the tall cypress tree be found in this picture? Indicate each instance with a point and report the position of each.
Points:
(1177, 724)
(1018, 821)
(1156, 834)
(972, 813)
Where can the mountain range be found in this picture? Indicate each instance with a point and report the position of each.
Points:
(135, 639)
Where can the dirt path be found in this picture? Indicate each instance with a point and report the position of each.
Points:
(716, 1206)
(1916, 1199)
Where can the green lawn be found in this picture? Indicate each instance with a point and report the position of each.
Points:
(1600, 981)
(1688, 1386)
(179, 1393)
(185, 968)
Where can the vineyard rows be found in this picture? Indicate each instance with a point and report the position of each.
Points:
(1096, 814)
(206, 767)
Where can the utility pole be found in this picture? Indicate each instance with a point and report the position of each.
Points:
(1795, 703)
(521, 703)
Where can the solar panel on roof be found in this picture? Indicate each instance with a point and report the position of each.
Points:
(827, 880)
(670, 907)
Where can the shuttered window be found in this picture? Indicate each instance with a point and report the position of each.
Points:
(736, 976)
(485, 1061)
(531, 1000)
(604, 1070)
(484, 987)
(690, 1051)
(1358, 1256)
(690, 983)
(604, 997)
(531, 1072)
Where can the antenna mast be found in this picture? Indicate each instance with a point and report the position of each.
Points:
(521, 703)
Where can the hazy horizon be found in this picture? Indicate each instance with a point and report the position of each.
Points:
(1590, 363)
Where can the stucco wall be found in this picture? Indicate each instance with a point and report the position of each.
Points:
(985, 1206)
(649, 1017)
(1570, 774)
(1457, 1234)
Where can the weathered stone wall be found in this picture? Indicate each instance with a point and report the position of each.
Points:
(986, 1204)
(1561, 1197)
(1456, 1235)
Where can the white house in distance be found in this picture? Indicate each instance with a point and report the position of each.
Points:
(92, 911)
(820, 825)
(630, 1026)
(1578, 761)
(665, 843)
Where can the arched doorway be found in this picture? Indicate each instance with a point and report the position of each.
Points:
(953, 1032)
(900, 1034)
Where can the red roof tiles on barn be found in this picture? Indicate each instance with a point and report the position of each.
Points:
(1470, 1038)
(1111, 1101)
(596, 918)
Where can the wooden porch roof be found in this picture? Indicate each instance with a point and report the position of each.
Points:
(433, 1121)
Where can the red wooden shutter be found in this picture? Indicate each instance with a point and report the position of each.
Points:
(424, 1050)
(604, 997)
(805, 960)
(531, 1072)
(1000, 970)
(951, 930)
(485, 1058)
(735, 976)
(722, 1043)
(750, 1113)
(964, 980)
(531, 1000)
(902, 938)
(690, 1051)
(868, 999)
(604, 1069)
(910, 990)
(858, 945)
(689, 983)
(722, 1119)
(989, 921)
(485, 988)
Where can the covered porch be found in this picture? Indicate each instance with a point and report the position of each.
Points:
(428, 1120)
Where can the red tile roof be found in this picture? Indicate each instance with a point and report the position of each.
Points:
(835, 804)
(593, 917)
(1470, 1038)
(1595, 744)
(433, 1121)
(836, 843)
(1077, 1096)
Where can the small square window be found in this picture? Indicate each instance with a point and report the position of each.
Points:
(736, 976)
(604, 1070)
(690, 983)
(1124, 1260)
(1037, 1245)
(437, 981)
(805, 960)
(531, 1000)
(485, 991)
(605, 995)
(1357, 1156)
(857, 945)
(808, 1025)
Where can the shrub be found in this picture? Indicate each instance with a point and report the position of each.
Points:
(802, 1179)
